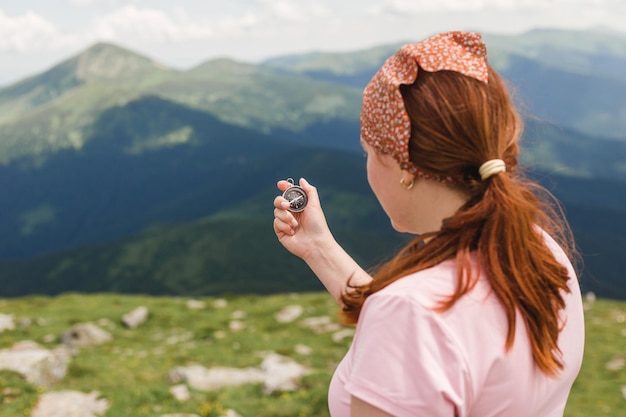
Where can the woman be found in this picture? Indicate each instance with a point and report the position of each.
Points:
(481, 315)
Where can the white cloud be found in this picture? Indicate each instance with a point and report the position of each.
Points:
(30, 31)
(428, 6)
(149, 24)
(294, 11)
(99, 2)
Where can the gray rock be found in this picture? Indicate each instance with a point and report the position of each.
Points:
(39, 366)
(203, 379)
(180, 392)
(134, 318)
(6, 322)
(281, 373)
(276, 373)
(289, 314)
(85, 335)
(70, 404)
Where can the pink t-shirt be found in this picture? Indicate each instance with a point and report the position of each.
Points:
(410, 361)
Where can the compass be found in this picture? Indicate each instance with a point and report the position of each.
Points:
(296, 196)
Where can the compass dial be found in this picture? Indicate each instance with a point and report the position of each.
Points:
(297, 198)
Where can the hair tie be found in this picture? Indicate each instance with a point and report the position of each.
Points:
(493, 166)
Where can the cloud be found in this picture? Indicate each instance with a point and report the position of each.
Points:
(30, 31)
(149, 24)
(99, 2)
(427, 6)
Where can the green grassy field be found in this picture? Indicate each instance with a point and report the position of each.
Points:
(132, 370)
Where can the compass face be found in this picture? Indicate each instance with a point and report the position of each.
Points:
(297, 198)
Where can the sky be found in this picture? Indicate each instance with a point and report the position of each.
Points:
(38, 34)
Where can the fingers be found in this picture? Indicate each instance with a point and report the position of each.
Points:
(284, 220)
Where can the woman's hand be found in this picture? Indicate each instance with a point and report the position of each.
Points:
(299, 232)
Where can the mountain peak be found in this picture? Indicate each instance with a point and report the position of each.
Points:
(107, 61)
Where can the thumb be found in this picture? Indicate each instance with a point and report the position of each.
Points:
(311, 192)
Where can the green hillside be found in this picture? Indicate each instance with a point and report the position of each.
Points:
(572, 78)
(118, 174)
(131, 371)
(56, 110)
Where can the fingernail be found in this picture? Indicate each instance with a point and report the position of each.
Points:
(285, 204)
(302, 180)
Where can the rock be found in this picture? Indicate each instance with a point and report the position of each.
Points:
(134, 318)
(220, 303)
(236, 326)
(180, 392)
(70, 404)
(179, 415)
(6, 322)
(230, 413)
(289, 314)
(616, 364)
(196, 304)
(39, 366)
(342, 334)
(303, 350)
(276, 373)
(238, 315)
(281, 373)
(321, 324)
(85, 335)
(203, 379)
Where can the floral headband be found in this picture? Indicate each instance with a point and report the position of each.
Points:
(385, 123)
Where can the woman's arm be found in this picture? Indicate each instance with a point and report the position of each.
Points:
(306, 235)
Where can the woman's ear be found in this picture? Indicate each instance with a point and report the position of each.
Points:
(407, 180)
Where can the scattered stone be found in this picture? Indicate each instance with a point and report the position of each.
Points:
(289, 314)
(179, 415)
(6, 322)
(70, 404)
(39, 366)
(342, 334)
(106, 323)
(230, 413)
(179, 337)
(85, 335)
(220, 303)
(303, 350)
(203, 379)
(196, 304)
(616, 364)
(236, 325)
(219, 334)
(624, 391)
(238, 314)
(281, 373)
(49, 338)
(321, 324)
(180, 392)
(134, 318)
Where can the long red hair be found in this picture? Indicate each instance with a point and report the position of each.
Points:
(457, 124)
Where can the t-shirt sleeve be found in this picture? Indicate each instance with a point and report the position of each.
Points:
(404, 361)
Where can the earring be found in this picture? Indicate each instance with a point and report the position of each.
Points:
(409, 185)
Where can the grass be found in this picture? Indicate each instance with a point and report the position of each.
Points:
(131, 372)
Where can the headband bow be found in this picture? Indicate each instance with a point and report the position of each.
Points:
(385, 124)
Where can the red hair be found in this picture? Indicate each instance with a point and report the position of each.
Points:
(458, 123)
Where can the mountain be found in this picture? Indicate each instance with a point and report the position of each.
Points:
(575, 79)
(133, 177)
(55, 110)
